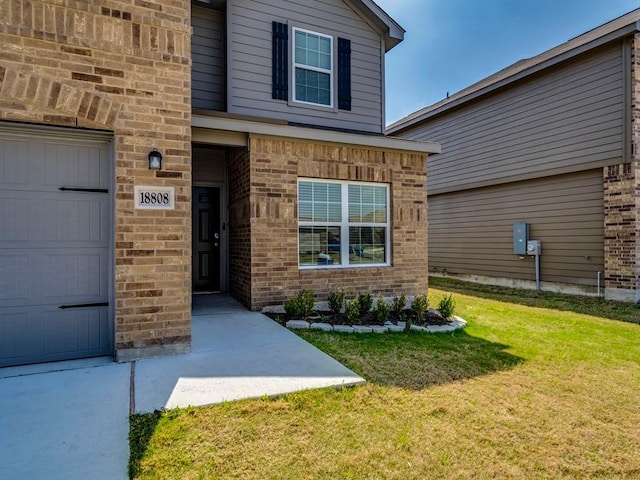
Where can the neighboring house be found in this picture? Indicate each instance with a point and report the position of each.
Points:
(551, 141)
(275, 173)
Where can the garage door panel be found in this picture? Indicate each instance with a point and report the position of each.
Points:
(49, 219)
(32, 335)
(14, 170)
(14, 280)
(77, 330)
(53, 277)
(71, 165)
(14, 337)
(13, 211)
(49, 164)
(73, 218)
(74, 277)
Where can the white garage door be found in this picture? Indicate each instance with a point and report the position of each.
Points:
(55, 232)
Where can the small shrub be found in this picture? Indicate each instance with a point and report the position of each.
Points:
(352, 312)
(420, 305)
(300, 305)
(336, 300)
(447, 306)
(365, 301)
(398, 304)
(381, 310)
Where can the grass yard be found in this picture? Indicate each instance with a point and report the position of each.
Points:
(537, 386)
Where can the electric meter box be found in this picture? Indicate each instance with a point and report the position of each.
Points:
(520, 238)
(533, 247)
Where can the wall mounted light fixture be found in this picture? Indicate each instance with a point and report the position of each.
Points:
(155, 160)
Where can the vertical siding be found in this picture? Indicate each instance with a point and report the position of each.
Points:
(470, 232)
(250, 62)
(567, 119)
(208, 64)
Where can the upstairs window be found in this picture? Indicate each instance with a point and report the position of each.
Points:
(313, 67)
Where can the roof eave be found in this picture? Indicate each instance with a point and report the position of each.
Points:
(393, 32)
(226, 123)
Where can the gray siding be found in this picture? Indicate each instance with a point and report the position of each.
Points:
(249, 26)
(207, 53)
(470, 232)
(568, 119)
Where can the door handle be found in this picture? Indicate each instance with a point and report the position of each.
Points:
(216, 235)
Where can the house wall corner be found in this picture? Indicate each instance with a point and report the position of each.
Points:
(622, 205)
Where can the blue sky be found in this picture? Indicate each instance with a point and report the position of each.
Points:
(451, 44)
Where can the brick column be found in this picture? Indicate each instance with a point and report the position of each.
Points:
(620, 212)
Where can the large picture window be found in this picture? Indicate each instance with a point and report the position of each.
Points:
(342, 224)
(312, 67)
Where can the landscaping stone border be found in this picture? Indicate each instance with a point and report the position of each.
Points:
(456, 324)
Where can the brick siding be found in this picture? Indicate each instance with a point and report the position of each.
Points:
(239, 225)
(122, 67)
(620, 227)
(276, 165)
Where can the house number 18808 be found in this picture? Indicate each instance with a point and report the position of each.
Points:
(161, 198)
(154, 198)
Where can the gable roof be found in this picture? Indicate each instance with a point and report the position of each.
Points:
(620, 27)
(393, 32)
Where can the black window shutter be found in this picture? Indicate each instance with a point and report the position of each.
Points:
(280, 60)
(344, 74)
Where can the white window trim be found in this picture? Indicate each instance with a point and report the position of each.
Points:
(344, 226)
(315, 69)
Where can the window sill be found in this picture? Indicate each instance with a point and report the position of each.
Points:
(312, 106)
(342, 267)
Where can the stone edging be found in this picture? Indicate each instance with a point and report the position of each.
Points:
(456, 324)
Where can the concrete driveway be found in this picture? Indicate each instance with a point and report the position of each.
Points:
(69, 420)
(70, 424)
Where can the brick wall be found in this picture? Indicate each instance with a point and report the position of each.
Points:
(239, 225)
(622, 206)
(275, 167)
(619, 229)
(123, 67)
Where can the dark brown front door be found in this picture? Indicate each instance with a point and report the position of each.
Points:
(206, 239)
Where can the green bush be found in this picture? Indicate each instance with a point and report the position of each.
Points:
(365, 301)
(447, 306)
(336, 300)
(420, 305)
(352, 312)
(381, 310)
(300, 305)
(398, 304)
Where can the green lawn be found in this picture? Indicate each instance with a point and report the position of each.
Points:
(537, 386)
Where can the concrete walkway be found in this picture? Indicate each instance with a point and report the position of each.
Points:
(69, 420)
(235, 356)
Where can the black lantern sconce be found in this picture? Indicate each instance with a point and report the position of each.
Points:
(155, 160)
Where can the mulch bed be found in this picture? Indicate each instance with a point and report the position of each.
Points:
(431, 317)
